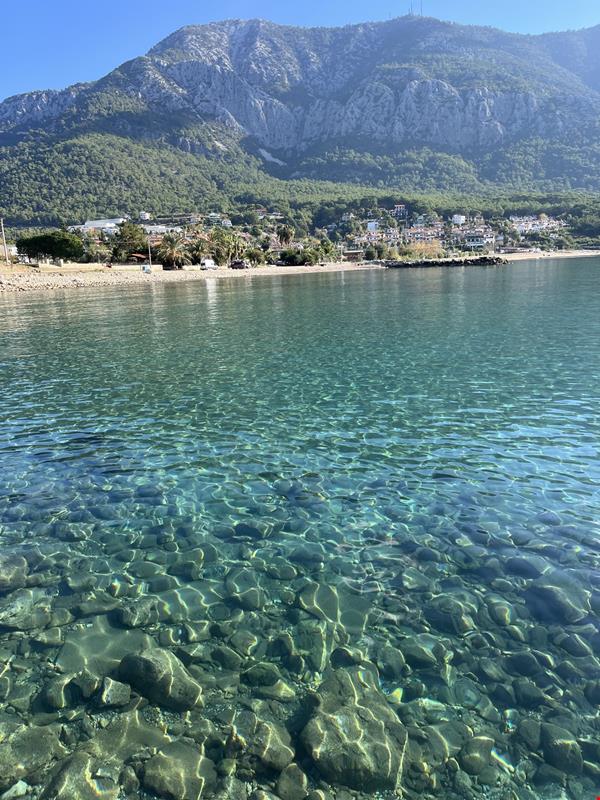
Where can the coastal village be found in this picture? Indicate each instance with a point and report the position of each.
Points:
(356, 237)
(260, 235)
(111, 250)
(254, 236)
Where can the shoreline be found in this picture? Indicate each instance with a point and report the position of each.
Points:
(545, 255)
(23, 279)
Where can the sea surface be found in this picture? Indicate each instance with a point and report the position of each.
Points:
(353, 508)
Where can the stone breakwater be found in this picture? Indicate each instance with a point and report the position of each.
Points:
(478, 261)
(252, 663)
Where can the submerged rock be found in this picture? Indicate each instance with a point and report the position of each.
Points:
(574, 645)
(27, 750)
(180, 772)
(25, 610)
(268, 743)
(161, 677)
(523, 663)
(475, 755)
(422, 651)
(262, 674)
(561, 750)
(292, 783)
(354, 737)
(243, 588)
(137, 614)
(13, 573)
(313, 642)
(449, 616)
(391, 662)
(272, 745)
(20, 789)
(557, 598)
(81, 778)
(114, 694)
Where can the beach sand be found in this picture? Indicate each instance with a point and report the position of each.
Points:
(26, 279)
(546, 256)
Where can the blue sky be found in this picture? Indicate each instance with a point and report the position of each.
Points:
(52, 43)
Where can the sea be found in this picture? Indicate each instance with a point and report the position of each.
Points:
(325, 536)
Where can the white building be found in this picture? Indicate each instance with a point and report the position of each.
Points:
(424, 233)
(372, 225)
(543, 223)
(98, 226)
(160, 230)
(480, 239)
(459, 219)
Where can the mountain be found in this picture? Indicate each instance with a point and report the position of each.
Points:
(248, 109)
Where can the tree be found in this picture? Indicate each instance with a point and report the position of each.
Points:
(173, 252)
(285, 234)
(226, 246)
(326, 247)
(95, 250)
(56, 244)
(198, 250)
(129, 239)
(299, 258)
(255, 255)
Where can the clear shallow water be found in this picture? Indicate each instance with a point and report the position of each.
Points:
(416, 432)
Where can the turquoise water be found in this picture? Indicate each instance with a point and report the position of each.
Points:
(403, 459)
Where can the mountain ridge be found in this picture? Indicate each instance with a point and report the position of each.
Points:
(350, 104)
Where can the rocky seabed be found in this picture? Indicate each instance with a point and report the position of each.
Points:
(255, 661)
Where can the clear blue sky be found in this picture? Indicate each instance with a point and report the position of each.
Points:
(52, 43)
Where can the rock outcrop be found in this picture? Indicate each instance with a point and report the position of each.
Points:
(405, 81)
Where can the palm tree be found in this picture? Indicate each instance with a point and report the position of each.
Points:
(226, 246)
(255, 255)
(173, 251)
(198, 250)
(285, 234)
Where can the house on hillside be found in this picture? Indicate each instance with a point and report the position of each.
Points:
(161, 230)
(423, 233)
(480, 239)
(399, 211)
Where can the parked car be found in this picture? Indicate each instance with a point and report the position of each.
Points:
(239, 265)
(208, 263)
